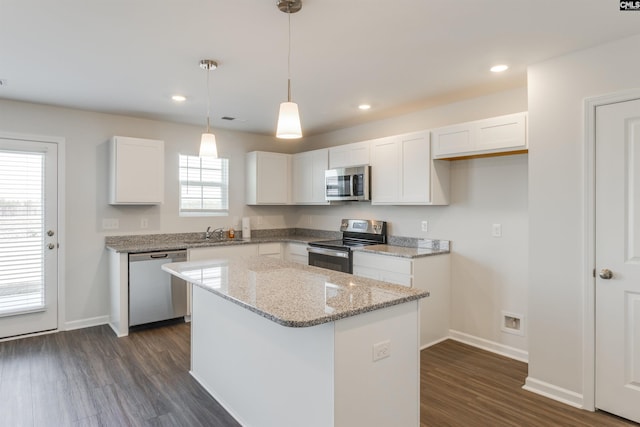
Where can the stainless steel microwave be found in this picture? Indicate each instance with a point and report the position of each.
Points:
(344, 184)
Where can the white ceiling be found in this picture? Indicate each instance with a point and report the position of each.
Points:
(129, 56)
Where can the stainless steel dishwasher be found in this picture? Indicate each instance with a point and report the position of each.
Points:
(154, 294)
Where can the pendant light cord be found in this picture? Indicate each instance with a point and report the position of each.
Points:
(208, 101)
(289, 62)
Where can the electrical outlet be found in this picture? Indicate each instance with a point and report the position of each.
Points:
(144, 222)
(425, 226)
(512, 323)
(381, 350)
(496, 230)
(110, 224)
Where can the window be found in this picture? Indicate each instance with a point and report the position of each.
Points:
(204, 186)
(21, 232)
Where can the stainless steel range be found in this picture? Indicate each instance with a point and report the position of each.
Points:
(337, 254)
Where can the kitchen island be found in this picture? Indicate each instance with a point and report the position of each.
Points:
(283, 344)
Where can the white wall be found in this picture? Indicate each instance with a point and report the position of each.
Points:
(86, 133)
(557, 90)
(487, 274)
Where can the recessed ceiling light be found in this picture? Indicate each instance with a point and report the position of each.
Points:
(499, 68)
(364, 106)
(179, 98)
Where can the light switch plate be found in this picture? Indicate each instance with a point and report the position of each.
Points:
(381, 350)
(496, 230)
(110, 224)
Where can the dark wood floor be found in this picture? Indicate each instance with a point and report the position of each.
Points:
(465, 386)
(89, 377)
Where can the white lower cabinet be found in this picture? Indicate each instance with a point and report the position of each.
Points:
(272, 250)
(430, 273)
(383, 267)
(296, 252)
(202, 254)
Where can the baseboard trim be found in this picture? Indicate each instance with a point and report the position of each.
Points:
(551, 391)
(34, 334)
(86, 323)
(438, 341)
(492, 346)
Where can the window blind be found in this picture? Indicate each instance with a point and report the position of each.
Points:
(204, 186)
(21, 232)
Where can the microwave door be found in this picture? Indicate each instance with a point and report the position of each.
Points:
(352, 183)
(338, 187)
(357, 186)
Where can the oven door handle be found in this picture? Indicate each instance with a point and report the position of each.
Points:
(329, 252)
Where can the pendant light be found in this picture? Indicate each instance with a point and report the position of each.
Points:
(289, 118)
(208, 147)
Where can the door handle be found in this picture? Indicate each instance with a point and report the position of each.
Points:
(605, 274)
(51, 246)
(50, 233)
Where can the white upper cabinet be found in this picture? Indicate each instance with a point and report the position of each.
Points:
(136, 169)
(355, 154)
(307, 176)
(268, 178)
(385, 171)
(494, 136)
(403, 173)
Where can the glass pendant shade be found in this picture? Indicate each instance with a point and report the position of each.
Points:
(289, 121)
(208, 147)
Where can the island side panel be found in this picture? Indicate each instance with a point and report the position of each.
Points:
(433, 274)
(263, 373)
(385, 392)
(119, 292)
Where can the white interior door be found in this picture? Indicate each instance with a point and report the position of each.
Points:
(618, 259)
(28, 237)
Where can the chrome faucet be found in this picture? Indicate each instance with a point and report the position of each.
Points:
(218, 232)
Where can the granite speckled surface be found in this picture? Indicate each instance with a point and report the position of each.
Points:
(405, 251)
(291, 294)
(163, 242)
(406, 247)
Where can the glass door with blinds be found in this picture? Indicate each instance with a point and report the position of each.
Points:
(28, 237)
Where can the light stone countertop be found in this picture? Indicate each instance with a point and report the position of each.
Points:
(401, 251)
(405, 247)
(138, 243)
(291, 294)
(138, 247)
